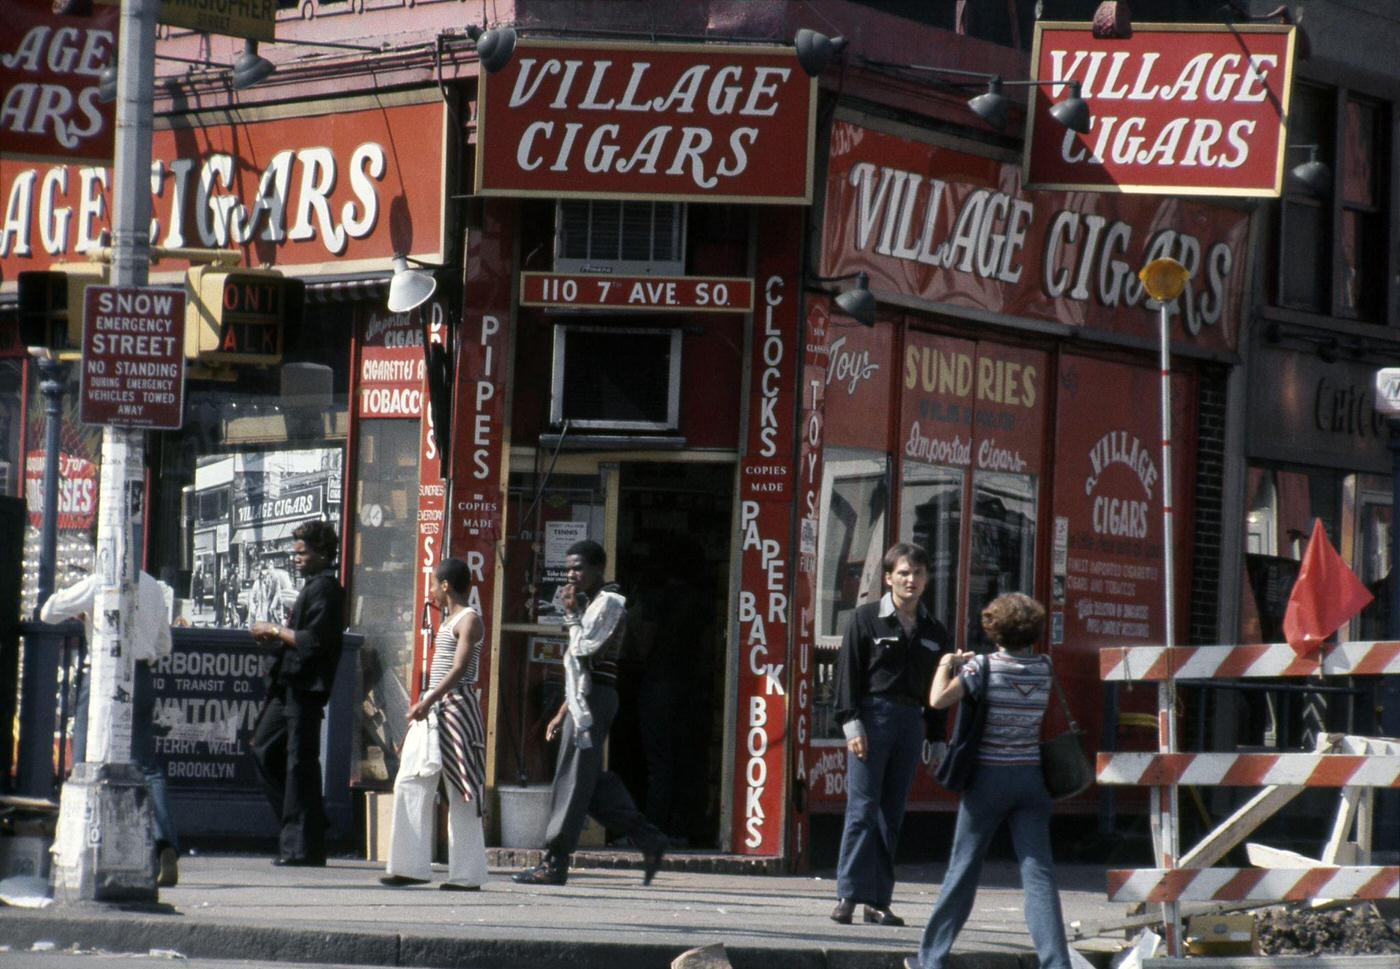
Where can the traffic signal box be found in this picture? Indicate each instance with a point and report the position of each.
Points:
(239, 315)
(51, 305)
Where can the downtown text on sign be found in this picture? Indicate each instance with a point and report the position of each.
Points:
(49, 72)
(1184, 109)
(663, 293)
(133, 368)
(597, 120)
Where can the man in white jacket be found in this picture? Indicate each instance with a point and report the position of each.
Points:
(595, 615)
(151, 643)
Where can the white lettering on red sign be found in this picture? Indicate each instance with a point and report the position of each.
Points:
(482, 427)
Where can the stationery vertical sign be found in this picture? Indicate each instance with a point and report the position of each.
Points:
(767, 487)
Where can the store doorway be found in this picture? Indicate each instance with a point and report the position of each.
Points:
(666, 526)
(673, 526)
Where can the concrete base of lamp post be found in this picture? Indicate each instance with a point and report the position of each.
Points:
(102, 848)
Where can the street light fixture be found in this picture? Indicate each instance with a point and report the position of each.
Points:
(410, 288)
(858, 302)
(816, 50)
(993, 107)
(1312, 175)
(494, 47)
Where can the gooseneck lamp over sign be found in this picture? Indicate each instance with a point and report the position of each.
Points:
(858, 302)
(409, 288)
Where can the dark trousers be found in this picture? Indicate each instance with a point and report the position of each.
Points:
(662, 744)
(582, 788)
(876, 789)
(287, 747)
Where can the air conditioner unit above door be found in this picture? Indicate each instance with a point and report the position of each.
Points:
(625, 238)
(617, 378)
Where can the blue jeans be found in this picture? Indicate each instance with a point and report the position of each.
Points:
(876, 789)
(1016, 795)
(143, 745)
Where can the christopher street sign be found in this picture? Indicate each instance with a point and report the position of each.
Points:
(134, 357)
(1177, 109)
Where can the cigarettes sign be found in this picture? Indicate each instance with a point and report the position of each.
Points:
(134, 357)
(713, 123)
(1190, 109)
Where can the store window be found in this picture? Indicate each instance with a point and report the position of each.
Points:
(1348, 133)
(262, 451)
(930, 514)
(1283, 503)
(1002, 552)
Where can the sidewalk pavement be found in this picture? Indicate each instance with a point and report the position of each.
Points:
(241, 907)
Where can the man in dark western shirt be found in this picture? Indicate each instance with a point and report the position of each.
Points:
(287, 738)
(883, 671)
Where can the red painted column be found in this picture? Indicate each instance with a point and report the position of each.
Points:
(477, 443)
(807, 514)
(767, 482)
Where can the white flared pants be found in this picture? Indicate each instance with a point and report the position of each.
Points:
(411, 834)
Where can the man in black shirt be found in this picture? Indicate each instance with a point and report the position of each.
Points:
(287, 738)
(883, 671)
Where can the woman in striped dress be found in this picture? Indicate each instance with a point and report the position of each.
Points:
(450, 705)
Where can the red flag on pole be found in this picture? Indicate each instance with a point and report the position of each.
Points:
(1326, 594)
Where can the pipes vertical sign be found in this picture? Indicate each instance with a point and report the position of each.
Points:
(766, 493)
(133, 372)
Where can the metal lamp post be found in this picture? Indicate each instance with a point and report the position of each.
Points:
(51, 387)
(1164, 279)
(103, 849)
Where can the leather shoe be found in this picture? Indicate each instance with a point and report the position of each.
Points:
(881, 916)
(845, 908)
(541, 874)
(399, 881)
(299, 862)
(168, 865)
(651, 860)
(454, 887)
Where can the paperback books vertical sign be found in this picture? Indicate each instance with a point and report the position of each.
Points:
(767, 488)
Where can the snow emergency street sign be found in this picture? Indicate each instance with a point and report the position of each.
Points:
(133, 371)
(1388, 390)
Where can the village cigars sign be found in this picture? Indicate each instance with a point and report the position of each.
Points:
(1189, 109)
(961, 231)
(50, 66)
(322, 189)
(706, 122)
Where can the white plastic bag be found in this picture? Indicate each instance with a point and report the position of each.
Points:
(422, 749)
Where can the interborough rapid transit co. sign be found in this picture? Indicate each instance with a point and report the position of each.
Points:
(1181, 109)
(679, 122)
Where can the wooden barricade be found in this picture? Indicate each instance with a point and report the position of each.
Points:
(1356, 765)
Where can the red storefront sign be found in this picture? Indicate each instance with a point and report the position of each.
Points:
(767, 478)
(49, 69)
(1181, 109)
(1107, 585)
(315, 192)
(391, 382)
(133, 367)
(77, 491)
(664, 293)
(856, 380)
(960, 231)
(599, 120)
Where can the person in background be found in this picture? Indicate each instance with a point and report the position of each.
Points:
(151, 643)
(1006, 784)
(287, 736)
(450, 701)
(595, 615)
(883, 671)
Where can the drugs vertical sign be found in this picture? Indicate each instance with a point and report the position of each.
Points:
(133, 372)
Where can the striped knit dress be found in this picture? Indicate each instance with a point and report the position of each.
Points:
(462, 731)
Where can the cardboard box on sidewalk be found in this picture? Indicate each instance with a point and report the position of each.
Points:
(379, 813)
(1222, 935)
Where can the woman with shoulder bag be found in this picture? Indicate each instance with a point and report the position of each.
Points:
(446, 742)
(1005, 783)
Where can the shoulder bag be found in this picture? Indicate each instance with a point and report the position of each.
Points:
(958, 765)
(1062, 759)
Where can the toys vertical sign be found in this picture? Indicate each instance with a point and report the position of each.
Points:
(767, 489)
